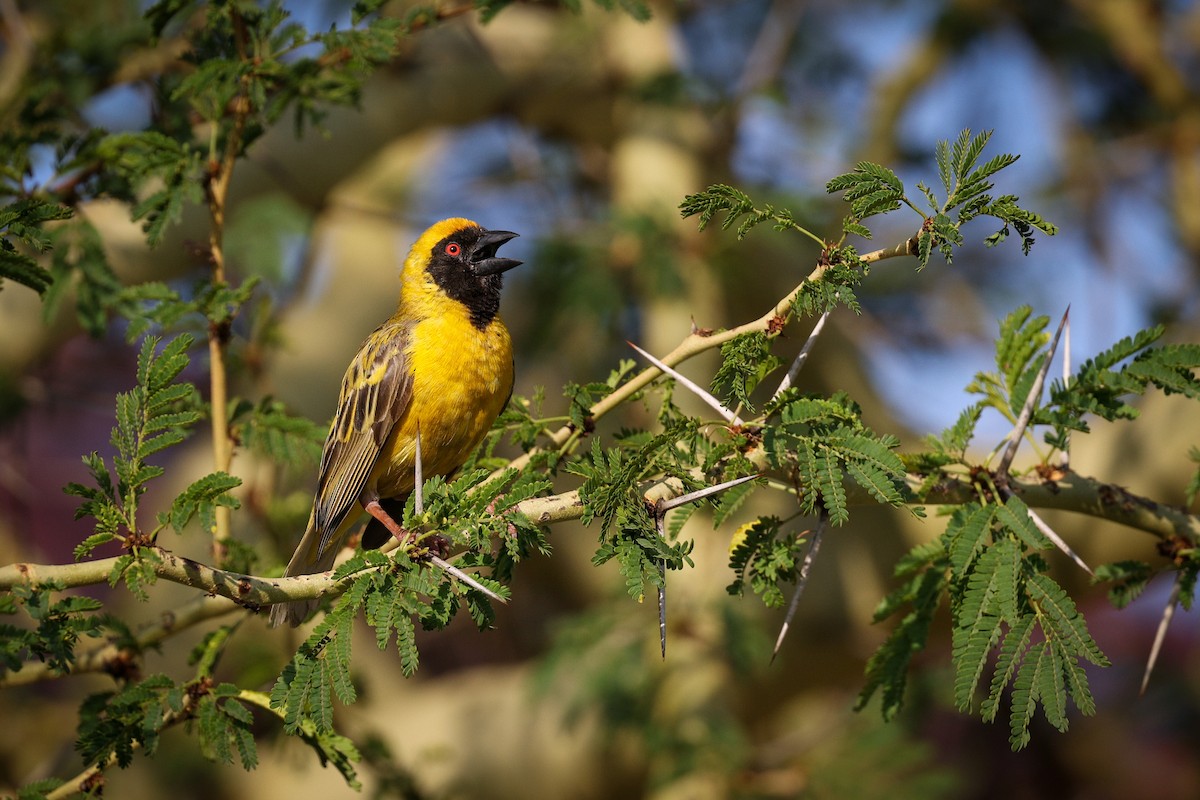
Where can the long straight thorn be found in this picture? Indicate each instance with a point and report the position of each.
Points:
(659, 517)
(1059, 542)
(1066, 453)
(700, 494)
(1035, 392)
(1161, 634)
(441, 563)
(419, 478)
(814, 545)
(793, 372)
(704, 395)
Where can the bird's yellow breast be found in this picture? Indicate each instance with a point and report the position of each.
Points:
(462, 377)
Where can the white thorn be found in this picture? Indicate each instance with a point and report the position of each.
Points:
(1035, 393)
(700, 494)
(1058, 541)
(441, 563)
(801, 581)
(794, 370)
(419, 478)
(1161, 634)
(729, 416)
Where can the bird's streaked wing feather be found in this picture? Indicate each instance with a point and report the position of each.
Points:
(376, 391)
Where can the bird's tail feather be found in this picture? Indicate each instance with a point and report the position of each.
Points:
(296, 611)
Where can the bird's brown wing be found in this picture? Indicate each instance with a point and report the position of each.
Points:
(376, 391)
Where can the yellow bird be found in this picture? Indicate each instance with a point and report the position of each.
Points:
(441, 365)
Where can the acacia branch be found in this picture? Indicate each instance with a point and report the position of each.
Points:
(217, 196)
(770, 323)
(118, 660)
(1073, 492)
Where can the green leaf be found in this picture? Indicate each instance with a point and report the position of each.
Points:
(736, 204)
(1129, 579)
(1013, 516)
(24, 270)
(1016, 640)
(828, 476)
(967, 531)
(1025, 695)
(201, 500)
(887, 668)
(1062, 620)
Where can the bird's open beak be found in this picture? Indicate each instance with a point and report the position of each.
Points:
(485, 261)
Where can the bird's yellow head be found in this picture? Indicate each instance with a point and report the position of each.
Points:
(455, 262)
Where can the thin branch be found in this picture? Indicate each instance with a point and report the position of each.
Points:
(109, 657)
(701, 341)
(1073, 492)
(217, 196)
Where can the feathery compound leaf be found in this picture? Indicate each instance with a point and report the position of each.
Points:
(1062, 620)
(888, 666)
(1052, 689)
(1129, 579)
(1009, 658)
(977, 628)
(870, 189)
(1025, 695)
(828, 478)
(320, 669)
(201, 500)
(111, 723)
(879, 484)
(1013, 516)
(967, 150)
(745, 361)
(967, 530)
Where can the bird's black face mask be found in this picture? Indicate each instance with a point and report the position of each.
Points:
(466, 267)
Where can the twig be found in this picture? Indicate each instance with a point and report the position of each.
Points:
(217, 194)
(702, 341)
(1073, 492)
(102, 659)
(1161, 634)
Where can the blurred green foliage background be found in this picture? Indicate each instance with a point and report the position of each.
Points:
(583, 130)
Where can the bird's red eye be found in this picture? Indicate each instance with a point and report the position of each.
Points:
(453, 249)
